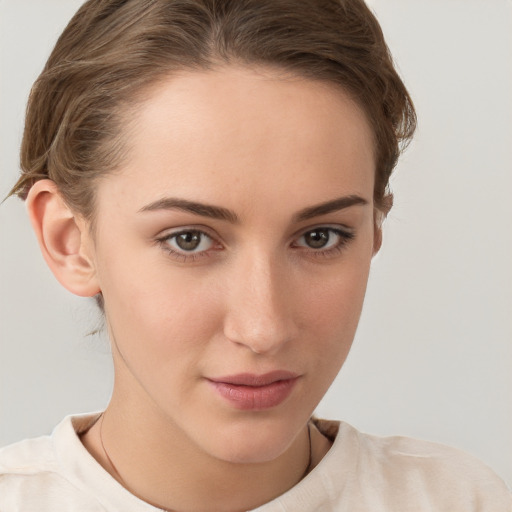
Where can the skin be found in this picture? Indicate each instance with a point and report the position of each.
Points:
(254, 297)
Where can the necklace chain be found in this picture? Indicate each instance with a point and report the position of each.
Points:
(123, 483)
(112, 465)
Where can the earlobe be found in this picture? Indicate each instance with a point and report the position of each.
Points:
(62, 238)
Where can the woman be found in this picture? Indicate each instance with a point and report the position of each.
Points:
(215, 174)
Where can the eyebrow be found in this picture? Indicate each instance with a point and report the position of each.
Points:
(329, 207)
(218, 212)
(205, 210)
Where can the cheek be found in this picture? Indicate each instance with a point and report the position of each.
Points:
(331, 316)
(334, 302)
(157, 312)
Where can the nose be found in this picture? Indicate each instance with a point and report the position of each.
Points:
(259, 310)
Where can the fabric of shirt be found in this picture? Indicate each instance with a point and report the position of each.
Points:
(360, 473)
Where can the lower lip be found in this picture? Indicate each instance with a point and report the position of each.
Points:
(255, 397)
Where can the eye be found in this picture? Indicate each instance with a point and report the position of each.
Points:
(321, 238)
(187, 242)
(324, 240)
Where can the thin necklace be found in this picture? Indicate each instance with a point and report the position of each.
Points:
(112, 465)
(120, 479)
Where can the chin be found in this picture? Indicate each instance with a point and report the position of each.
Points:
(256, 443)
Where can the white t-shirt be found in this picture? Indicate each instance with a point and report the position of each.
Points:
(360, 473)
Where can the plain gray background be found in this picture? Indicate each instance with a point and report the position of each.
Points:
(433, 354)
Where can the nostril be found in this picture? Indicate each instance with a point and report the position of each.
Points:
(260, 335)
(259, 306)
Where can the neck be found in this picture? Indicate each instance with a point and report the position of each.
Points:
(163, 467)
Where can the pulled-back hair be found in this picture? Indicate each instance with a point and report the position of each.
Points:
(113, 50)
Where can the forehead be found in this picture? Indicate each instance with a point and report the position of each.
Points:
(243, 134)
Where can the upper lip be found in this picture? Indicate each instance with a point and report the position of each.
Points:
(255, 380)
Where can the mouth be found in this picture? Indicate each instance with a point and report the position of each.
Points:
(248, 391)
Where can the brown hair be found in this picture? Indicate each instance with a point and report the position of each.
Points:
(113, 49)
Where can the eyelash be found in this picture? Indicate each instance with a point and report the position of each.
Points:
(185, 256)
(345, 237)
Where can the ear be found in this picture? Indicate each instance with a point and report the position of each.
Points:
(378, 220)
(380, 213)
(64, 239)
(377, 239)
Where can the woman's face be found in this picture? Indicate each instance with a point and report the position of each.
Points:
(233, 250)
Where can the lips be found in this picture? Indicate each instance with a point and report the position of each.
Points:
(248, 391)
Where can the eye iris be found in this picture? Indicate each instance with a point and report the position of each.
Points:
(188, 241)
(317, 239)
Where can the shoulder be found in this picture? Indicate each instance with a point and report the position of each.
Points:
(27, 474)
(25, 456)
(32, 478)
(401, 471)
